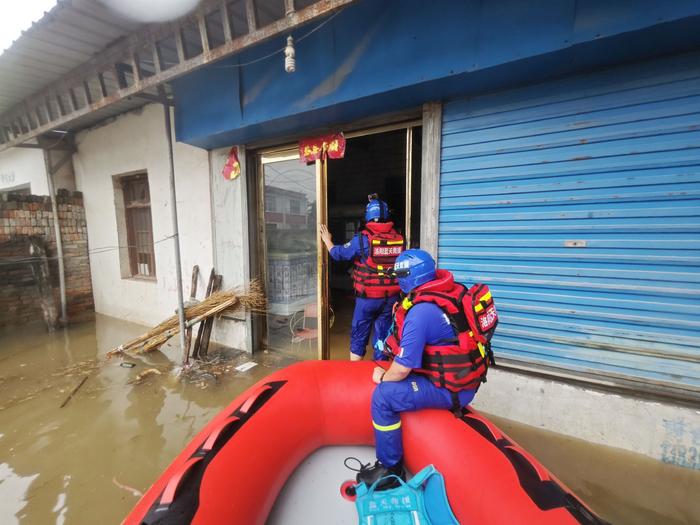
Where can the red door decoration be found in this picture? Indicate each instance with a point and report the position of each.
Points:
(232, 168)
(328, 146)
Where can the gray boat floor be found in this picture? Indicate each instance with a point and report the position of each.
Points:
(312, 494)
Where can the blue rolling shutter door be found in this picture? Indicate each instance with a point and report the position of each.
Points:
(578, 202)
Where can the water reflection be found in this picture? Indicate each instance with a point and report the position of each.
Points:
(91, 458)
(14, 491)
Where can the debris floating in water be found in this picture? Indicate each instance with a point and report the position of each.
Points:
(70, 396)
(252, 298)
(143, 375)
(132, 490)
(246, 366)
(212, 367)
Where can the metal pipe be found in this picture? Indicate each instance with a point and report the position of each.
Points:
(176, 234)
(57, 234)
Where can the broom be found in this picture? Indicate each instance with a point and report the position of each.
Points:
(251, 298)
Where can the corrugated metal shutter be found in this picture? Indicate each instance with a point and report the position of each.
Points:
(578, 201)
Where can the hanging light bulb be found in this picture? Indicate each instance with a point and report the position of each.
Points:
(290, 64)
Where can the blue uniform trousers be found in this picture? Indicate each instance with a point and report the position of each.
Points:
(390, 398)
(368, 313)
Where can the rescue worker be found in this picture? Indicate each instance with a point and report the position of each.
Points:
(431, 329)
(373, 251)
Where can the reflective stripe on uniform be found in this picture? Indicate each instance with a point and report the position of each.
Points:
(479, 307)
(386, 428)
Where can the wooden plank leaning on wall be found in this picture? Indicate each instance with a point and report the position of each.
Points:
(430, 179)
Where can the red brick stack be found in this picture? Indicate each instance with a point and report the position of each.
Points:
(23, 217)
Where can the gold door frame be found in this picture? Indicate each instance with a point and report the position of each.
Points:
(290, 152)
(322, 292)
(270, 156)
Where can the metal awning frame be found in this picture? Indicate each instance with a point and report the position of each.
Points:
(118, 72)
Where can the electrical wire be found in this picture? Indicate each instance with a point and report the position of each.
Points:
(96, 251)
(63, 136)
(281, 50)
(106, 249)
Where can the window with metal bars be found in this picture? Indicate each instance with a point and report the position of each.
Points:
(139, 226)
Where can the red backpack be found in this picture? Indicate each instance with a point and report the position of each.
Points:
(463, 362)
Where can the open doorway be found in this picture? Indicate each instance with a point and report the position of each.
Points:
(292, 198)
(387, 163)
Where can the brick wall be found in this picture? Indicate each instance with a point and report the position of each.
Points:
(23, 217)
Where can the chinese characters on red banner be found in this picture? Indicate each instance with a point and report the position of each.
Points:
(329, 146)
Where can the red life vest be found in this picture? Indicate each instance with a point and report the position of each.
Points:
(462, 363)
(382, 245)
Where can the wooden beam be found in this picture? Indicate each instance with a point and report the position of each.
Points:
(37, 112)
(180, 46)
(54, 144)
(103, 85)
(59, 103)
(155, 98)
(202, 24)
(135, 68)
(148, 36)
(225, 20)
(86, 90)
(156, 59)
(49, 113)
(250, 16)
(430, 177)
(288, 7)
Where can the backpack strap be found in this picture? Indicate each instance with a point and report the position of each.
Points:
(371, 489)
(421, 477)
(456, 405)
(437, 506)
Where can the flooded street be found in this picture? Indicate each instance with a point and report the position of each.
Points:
(622, 487)
(92, 458)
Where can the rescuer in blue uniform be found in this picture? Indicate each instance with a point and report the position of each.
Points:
(373, 252)
(420, 336)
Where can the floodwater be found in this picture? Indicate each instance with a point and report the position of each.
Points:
(622, 487)
(90, 459)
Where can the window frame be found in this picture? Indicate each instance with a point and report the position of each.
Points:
(133, 223)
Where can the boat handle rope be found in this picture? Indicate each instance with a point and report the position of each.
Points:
(211, 440)
(171, 488)
(493, 430)
(541, 473)
(253, 398)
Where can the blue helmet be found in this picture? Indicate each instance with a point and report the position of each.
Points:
(376, 209)
(413, 268)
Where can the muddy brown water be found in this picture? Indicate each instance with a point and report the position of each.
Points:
(91, 459)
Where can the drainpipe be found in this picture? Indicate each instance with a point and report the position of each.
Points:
(57, 233)
(176, 235)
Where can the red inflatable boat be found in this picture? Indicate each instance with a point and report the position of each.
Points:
(234, 469)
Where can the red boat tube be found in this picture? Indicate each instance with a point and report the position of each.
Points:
(233, 470)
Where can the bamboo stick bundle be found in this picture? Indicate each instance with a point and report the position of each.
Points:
(251, 298)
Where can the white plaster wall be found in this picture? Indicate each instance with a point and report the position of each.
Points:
(136, 142)
(19, 166)
(230, 239)
(664, 431)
